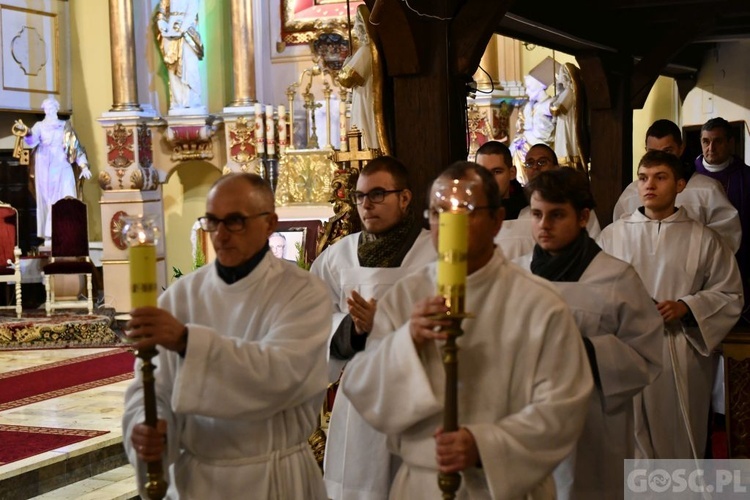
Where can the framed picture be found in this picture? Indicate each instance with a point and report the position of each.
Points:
(291, 236)
(301, 18)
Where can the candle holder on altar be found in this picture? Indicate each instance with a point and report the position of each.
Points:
(454, 200)
(141, 234)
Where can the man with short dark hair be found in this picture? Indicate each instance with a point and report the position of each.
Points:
(718, 162)
(496, 157)
(241, 368)
(703, 198)
(521, 404)
(515, 238)
(621, 328)
(694, 281)
(358, 269)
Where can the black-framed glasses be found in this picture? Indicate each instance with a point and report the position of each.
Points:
(433, 214)
(232, 223)
(535, 165)
(376, 195)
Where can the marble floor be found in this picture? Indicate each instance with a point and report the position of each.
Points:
(99, 408)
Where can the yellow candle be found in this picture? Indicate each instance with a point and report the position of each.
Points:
(452, 247)
(143, 286)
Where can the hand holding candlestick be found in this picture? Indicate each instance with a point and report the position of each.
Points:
(141, 235)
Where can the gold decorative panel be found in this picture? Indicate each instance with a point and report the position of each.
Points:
(305, 177)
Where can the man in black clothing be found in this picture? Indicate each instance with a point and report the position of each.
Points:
(495, 157)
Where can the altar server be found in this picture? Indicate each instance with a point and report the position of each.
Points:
(241, 369)
(693, 278)
(703, 198)
(358, 270)
(621, 328)
(524, 382)
(515, 237)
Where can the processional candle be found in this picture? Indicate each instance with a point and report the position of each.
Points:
(142, 235)
(455, 200)
(452, 247)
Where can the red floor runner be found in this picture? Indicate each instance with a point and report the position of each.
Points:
(22, 387)
(19, 442)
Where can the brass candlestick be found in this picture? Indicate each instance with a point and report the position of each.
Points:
(141, 234)
(450, 482)
(454, 199)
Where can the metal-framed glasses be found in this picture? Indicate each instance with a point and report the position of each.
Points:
(376, 195)
(536, 165)
(232, 223)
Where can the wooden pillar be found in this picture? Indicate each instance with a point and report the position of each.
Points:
(736, 347)
(431, 49)
(611, 127)
(122, 50)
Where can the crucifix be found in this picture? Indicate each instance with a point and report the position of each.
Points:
(350, 159)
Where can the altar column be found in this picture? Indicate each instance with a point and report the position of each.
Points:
(243, 53)
(493, 110)
(122, 51)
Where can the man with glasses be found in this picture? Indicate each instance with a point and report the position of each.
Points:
(358, 269)
(523, 379)
(515, 238)
(241, 368)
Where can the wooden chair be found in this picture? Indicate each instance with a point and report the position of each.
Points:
(10, 253)
(69, 253)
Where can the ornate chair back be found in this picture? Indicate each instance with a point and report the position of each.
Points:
(10, 254)
(70, 252)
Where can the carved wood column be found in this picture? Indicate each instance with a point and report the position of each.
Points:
(122, 50)
(430, 50)
(607, 84)
(736, 347)
(243, 53)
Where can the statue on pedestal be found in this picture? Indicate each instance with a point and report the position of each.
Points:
(56, 148)
(181, 48)
(536, 122)
(571, 137)
(361, 73)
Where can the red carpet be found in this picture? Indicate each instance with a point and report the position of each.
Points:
(22, 387)
(21, 442)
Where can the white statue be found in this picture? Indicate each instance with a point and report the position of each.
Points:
(571, 139)
(181, 48)
(535, 123)
(57, 148)
(357, 74)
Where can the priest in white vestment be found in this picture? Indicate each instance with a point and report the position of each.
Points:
(694, 280)
(621, 328)
(358, 270)
(524, 381)
(703, 198)
(241, 369)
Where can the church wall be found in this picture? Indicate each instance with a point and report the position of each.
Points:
(92, 94)
(661, 103)
(722, 88)
(184, 201)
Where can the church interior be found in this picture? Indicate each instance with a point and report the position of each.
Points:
(271, 96)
